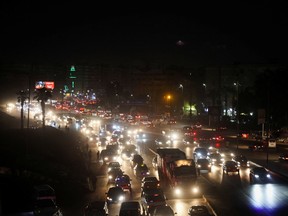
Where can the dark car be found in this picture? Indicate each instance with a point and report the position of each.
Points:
(283, 157)
(123, 181)
(113, 165)
(241, 160)
(113, 173)
(199, 210)
(257, 147)
(136, 159)
(163, 210)
(115, 195)
(230, 166)
(216, 158)
(203, 165)
(130, 208)
(259, 175)
(141, 170)
(96, 208)
(200, 152)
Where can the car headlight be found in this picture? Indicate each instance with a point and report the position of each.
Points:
(178, 191)
(256, 176)
(195, 189)
(268, 176)
(121, 198)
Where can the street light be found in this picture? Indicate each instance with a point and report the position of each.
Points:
(237, 111)
(182, 96)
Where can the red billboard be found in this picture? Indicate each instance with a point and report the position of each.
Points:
(46, 84)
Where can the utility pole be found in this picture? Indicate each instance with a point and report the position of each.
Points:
(29, 96)
(237, 112)
(268, 123)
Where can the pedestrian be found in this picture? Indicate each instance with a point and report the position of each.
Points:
(98, 155)
(90, 156)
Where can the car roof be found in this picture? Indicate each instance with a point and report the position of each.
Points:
(149, 178)
(130, 205)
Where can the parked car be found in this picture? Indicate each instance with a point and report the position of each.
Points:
(230, 166)
(46, 207)
(199, 210)
(96, 208)
(259, 175)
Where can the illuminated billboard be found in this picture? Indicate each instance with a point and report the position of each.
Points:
(46, 84)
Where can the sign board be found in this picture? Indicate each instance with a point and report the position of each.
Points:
(261, 116)
(46, 84)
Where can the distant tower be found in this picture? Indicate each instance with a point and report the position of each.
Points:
(72, 78)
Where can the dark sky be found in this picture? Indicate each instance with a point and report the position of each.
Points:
(83, 33)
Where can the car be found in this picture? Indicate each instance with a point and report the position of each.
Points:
(136, 159)
(113, 165)
(107, 156)
(241, 160)
(150, 199)
(203, 165)
(199, 210)
(161, 141)
(283, 156)
(259, 174)
(130, 208)
(200, 152)
(98, 208)
(44, 191)
(113, 173)
(46, 207)
(124, 181)
(115, 194)
(150, 185)
(163, 210)
(188, 140)
(150, 191)
(230, 166)
(149, 179)
(257, 147)
(141, 170)
(216, 158)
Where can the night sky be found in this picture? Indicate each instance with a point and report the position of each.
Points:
(81, 33)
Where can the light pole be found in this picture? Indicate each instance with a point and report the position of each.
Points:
(182, 97)
(237, 111)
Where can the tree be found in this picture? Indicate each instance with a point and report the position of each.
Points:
(22, 96)
(42, 96)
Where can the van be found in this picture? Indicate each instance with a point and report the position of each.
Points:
(130, 208)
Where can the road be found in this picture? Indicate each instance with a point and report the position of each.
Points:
(227, 195)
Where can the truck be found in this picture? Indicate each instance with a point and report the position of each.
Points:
(176, 171)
